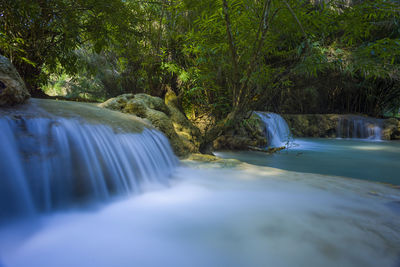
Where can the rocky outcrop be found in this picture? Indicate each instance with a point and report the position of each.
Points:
(326, 125)
(165, 116)
(250, 133)
(312, 125)
(189, 134)
(12, 87)
(391, 129)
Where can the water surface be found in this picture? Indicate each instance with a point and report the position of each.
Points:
(361, 159)
(243, 217)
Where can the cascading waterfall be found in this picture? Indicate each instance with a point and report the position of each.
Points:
(50, 163)
(359, 127)
(277, 129)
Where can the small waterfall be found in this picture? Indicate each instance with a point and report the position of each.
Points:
(51, 163)
(359, 127)
(277, 129)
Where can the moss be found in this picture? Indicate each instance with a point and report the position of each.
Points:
(117, 103)
(135, 106)
(183, 136)
(249, 133)
(153, 102)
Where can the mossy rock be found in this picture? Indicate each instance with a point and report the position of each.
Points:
(117, 103)
(391, 129)
(211, 159)
(202, 157)
(183, 136)
(183, 127)
(135, 106)
(249, 133)
(153, 102)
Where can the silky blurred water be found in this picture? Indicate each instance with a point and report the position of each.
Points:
(146, 211)
(214, 216)
(51, 163)
(276, 129)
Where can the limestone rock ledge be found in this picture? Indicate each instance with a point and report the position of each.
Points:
(12, 87)
(391, 129)
(325, 125)
(165, 116)
(249, 133)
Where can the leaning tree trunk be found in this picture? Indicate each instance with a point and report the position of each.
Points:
(242, 88)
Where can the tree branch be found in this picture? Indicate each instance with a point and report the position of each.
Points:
(232, 48)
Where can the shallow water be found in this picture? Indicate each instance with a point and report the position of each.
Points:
(361, 159)
(248, 216)
(207, 214)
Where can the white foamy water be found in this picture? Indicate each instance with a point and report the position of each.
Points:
(251, 216)
(352, 126)
(52, 163)
(278, 133)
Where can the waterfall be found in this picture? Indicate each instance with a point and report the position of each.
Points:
(359, 127)
(51, 163)
(277, 129)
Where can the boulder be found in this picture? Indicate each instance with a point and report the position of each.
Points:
(12, 87)
(250, 133)
(117, 103)
(189, 133)
(391, 129)
(135, 106)
(165, 116)
(153, 102)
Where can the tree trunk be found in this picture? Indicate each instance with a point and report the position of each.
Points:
(232, 119)
(31, 76)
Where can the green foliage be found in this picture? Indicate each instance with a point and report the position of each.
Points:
(210, 54)
(34, 34)
(356, 51)
(320, 58)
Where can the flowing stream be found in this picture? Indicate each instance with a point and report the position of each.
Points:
(355, 154)
(76, 192)
(247, 216)
(276, 128)
(351, 126)
(49, 162)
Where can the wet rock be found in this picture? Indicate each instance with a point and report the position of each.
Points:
(202, 157)
(12, 87)
(211, 159)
